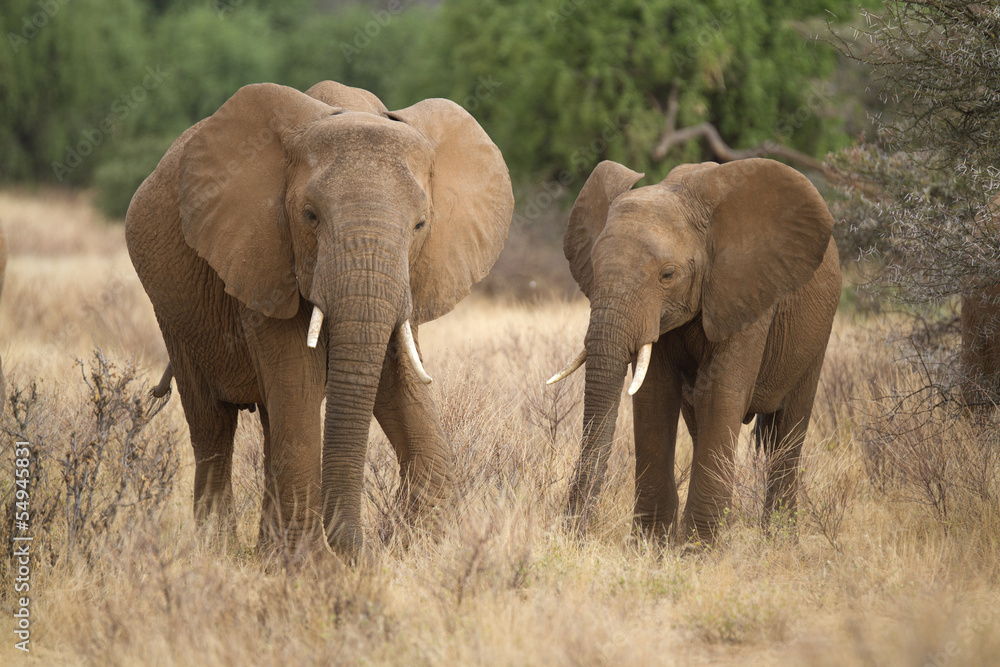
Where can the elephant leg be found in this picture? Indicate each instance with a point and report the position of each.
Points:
(656, 407)
(782, 434)
(407, 413)
(212, 424)
(720, 400)
(292, 446)
(292, 383)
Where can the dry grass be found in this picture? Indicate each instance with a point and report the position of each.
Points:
(876, 576)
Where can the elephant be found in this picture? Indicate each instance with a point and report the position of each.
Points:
(721, 283)
(3, 269)
(291, 244)
(980, 325)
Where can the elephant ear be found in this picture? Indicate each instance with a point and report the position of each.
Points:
(590, 213)
(678, 173)
(471, 207)
(768, 232)
(232, 194)
(347, 98)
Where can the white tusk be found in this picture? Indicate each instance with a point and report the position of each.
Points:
(641, 365)
(411, 352)
(570, 368)
(315, 324)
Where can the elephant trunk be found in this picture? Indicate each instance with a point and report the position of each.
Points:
(363, 308)
(608, 346)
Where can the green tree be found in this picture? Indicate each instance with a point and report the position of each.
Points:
(65, 67)
(574, 82)
(925, 201)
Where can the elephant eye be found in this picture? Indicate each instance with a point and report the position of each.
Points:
(311, 216)
(420, 224)
(666, 275)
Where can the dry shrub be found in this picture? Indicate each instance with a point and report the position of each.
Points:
(828, 486)
(94, 466)
(853, 362)
(920, 445)
(922, 451)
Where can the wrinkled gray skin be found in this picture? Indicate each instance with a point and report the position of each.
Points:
(981, 337)
(731, 273)
(3, 268)
(282, 201)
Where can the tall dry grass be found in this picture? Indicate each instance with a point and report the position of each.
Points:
(876, 573)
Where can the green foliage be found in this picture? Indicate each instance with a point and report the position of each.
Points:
(119, 176)
(63, 65)
(92, 93)
(581, 81)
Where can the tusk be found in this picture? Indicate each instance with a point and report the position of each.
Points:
(570, 368)
(315, 324)
(411, 352)
(641, 364)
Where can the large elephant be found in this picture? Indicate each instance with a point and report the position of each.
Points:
(721, 281)
(288, 216)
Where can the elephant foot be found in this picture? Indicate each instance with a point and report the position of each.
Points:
(218, 527)
(288, 541)
(654, 529)
(580, 509)
(694, 549)
(780, 524)
(697, 533)
(348, 544)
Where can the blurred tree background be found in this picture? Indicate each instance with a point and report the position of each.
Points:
(92, 94)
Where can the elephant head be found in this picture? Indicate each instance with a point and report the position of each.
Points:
(375, 218)
(722, 243)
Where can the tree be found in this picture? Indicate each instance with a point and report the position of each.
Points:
(563, 84)
(932, 171)
(65, 67)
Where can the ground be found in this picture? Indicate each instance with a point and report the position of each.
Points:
(896, 558)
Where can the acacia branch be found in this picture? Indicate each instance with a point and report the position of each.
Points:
(723, 152)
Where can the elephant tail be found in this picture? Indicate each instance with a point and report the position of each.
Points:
(161, 389)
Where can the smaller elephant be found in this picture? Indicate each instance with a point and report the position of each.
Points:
(721, 283)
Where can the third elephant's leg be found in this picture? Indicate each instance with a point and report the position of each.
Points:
(782, 434)
(656, 406)
(407, 413)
